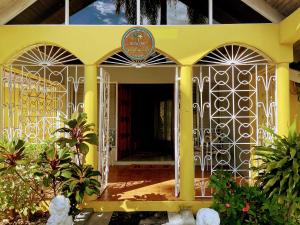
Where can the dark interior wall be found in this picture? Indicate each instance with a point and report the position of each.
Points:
(143, 110)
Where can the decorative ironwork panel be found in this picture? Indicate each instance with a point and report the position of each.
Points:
(155, 59)
(104, 129)
(232, 105)
(34, 98)
(233, 55)
(43, 54)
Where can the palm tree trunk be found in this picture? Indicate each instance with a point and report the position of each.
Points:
(163, 12)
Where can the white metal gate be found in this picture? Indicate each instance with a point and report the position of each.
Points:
(234, 99)
(39, 87)
(104, 148)
(177, 132)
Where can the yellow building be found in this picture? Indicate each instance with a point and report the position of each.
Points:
(192, 100)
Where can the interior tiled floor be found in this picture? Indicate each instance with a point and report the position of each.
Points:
(145, 182)
(140, 182)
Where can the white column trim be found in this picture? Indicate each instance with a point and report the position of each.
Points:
(138, 12)
(210, 12)
(67, 12)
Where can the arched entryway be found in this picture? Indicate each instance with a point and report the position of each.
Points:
(234, 99)
(138, 127)
(39, 86)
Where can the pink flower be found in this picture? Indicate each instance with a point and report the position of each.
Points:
(227, 205)
(246, 208)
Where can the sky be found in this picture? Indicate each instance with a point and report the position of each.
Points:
(103, 12)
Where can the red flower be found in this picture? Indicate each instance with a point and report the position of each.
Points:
(227, 205)
(246, 208)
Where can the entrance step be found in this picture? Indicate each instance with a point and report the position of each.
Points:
(101, 218)
(83, 217)
(184, 217)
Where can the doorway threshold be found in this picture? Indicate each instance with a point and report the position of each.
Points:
(126, 163)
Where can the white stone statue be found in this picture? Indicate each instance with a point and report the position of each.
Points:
(206, 216)
(59, 211)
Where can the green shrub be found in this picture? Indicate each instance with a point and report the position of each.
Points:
(20, 192)
(239, 205)
(38, 172)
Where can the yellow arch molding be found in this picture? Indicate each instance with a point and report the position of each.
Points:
(32, 46)
(186, 44)
(266, 56)
(111, 53)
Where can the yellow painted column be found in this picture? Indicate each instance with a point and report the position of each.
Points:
(283, 98)
(187, 170)
(90, 107)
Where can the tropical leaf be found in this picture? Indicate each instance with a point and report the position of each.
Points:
(279, 170)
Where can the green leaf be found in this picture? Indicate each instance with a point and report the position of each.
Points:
(93, 173)
(84, 148)
(286, 175)
(295, 166)
(3, 169)
(72, 123)
(91, 138)
(66, 174)
(81, 117)
(79, 197)
(72, 142)
(62, 130)
(293, 152)
(46, 182)
(89, 191)
(271, 182)
(292, 131)
(20, 144)
(38, 174)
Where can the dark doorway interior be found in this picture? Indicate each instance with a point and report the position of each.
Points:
(145, 128)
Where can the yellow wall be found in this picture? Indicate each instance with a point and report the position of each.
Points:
(295, 109)
(185, 44)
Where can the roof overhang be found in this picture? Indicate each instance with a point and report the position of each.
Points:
(265, 10)
(10, 8)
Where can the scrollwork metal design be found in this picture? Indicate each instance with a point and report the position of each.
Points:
(233, 102)
(35, 98)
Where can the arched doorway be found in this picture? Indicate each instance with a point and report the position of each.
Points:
(234, 100)
(139, 145)
(39, 86)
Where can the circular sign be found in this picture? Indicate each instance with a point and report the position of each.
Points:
(138, 43)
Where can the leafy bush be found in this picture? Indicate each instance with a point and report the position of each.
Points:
(54, 163)
(78, 134)
(81, 179)
(239, 205)
(20, 193)
(36, 172)
(278, 169)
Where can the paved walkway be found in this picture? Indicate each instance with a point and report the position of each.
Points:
(100, 218)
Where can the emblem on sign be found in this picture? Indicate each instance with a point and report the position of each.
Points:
(138, 44)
